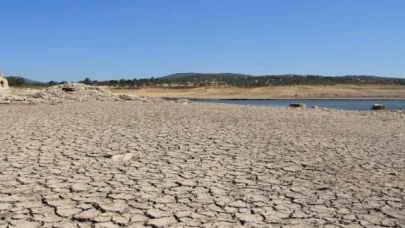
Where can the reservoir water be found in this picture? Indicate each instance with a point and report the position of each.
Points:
(345, 104)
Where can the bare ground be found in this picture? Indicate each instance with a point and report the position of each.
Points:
(338, 91)
(128, 164)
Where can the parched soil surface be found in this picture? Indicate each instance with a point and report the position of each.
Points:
(131, 164)
(335, 91)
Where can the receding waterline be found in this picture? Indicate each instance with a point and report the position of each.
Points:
(345, 104)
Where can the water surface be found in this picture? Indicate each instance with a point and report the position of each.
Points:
(346, 104)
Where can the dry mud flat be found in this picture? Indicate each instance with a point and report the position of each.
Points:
(129, 164)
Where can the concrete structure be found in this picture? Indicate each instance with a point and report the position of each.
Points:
(4, 89)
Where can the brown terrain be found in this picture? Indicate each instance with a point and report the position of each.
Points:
(338, 91)
(142, 164)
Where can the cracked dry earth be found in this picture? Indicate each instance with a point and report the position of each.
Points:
(128, 164)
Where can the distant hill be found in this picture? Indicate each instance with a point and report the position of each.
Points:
(244, 80)
(192, 79)
(370, 78)
(210, 76)
(205, 75)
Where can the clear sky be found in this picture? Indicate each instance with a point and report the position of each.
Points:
(113, 39)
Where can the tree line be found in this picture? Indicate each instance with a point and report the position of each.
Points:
(15, 81)
(232, 80)
(206, 80)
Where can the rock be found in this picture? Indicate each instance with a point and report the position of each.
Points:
(298, 105)
(378, 107)
(121, 157)
(117, 157)
(75, 92)
(177, 100)
(129, 97)
(127, 157)
(393, 173)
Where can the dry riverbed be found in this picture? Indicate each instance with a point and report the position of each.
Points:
(131, 164)
(335, 92)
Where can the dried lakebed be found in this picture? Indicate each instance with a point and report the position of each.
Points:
(129, 164)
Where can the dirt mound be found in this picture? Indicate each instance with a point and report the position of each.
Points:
(77, 92)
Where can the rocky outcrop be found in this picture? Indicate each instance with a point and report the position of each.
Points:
(298, 105)
(378, 107)
(77, 92)
(71, 92)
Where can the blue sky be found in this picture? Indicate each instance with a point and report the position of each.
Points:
(112, 39)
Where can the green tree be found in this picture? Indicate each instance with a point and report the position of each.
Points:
(113, 82)
(15, 81)
(87, 81)
(52, 83)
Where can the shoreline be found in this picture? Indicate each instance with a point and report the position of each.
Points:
(390, 104)
(271, 99)
(344, 92)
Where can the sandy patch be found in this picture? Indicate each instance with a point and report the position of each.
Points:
(338, 91)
